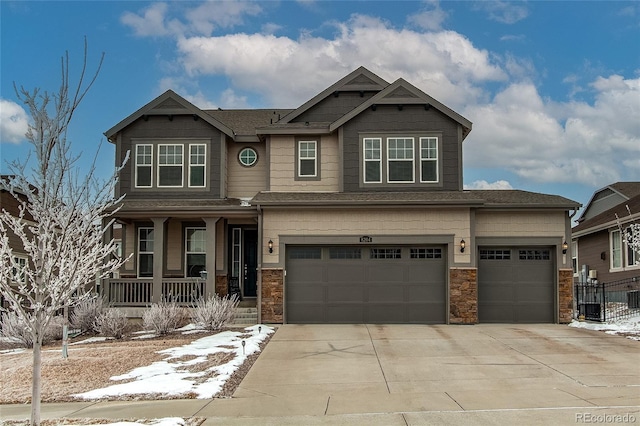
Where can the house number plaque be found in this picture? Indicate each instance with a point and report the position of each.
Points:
(366, 239)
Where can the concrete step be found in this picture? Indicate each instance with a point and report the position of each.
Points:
(245, 316)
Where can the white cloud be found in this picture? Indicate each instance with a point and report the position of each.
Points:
(559, 142)
(151, 23)
(14, 122)
(201, 20)
(504, 11)
(449, 67)
(430, 17)
(220, 14)
(483, 184)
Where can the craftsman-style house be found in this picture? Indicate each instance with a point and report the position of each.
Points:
(348, 209)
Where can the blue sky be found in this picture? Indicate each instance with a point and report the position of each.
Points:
(552, 88)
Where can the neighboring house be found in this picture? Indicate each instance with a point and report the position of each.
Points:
(598, 247)
(348, 209)
(11, 205)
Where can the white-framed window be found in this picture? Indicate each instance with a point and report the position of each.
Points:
(145, 252)
(18, 271)
(616, 249)
(248, 157)
(197, 165)
(429, 159)
(170, 163)
(144, 165)
(400, 154)
(195, 251)
(574, 258)
(372, 154)
(307, 159)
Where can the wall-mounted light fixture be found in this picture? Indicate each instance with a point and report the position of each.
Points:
(463, 244)
(603, 255)
(270, 245)
(565, 247)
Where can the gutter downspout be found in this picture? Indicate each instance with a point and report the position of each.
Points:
(260, 247)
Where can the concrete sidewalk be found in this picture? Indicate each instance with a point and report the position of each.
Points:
(413, 374)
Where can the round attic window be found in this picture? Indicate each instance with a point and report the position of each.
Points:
(248, 157)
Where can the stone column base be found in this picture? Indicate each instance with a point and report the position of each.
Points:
(272, 301)
(565, 295)
(463, 295)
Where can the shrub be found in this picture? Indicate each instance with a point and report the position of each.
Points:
(15, 329)
(164, 317)
(112, 322)
(84, 314)
(215, 312)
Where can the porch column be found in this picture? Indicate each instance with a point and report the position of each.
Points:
(105, 285)
(210, 286)
(158, 257)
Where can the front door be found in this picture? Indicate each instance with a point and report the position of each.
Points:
(244, 261)
(250, 257)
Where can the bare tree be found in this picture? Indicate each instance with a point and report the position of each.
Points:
(63, 217)
(631, 234)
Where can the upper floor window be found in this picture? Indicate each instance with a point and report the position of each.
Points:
(197, 163)
(307, 159)
(170, 165)
(400, 160)
(410, 158)
(144, 164)
(428, 159)
(372, 160)
(248, 157)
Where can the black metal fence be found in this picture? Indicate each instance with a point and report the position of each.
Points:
(608, 301)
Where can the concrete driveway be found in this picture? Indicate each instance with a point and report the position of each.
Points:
(419, 374)
(413, 375)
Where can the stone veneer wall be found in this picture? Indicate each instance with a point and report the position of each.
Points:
(565, 295)
(272, 296)
(222, 289)
(463, 296)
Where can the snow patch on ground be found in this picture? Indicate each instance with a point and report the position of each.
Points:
(628, 327)
(172, 375)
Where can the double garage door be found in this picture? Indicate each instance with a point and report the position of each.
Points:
(344, 284)
(516, 285)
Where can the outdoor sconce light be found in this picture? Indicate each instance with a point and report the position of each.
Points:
(565, 247)
(203, 275)
(270, 245)
(462, 246)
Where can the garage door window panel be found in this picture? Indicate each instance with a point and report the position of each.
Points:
(338, 253)
(495, 254)
(425, 253)
(305, 253)
(534, 254)
(385, 253)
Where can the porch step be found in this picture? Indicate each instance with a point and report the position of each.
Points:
(245, 316)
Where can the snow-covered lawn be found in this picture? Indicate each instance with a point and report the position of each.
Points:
(628, 327)
(184, 369)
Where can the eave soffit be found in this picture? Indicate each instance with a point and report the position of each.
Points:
(169, 103)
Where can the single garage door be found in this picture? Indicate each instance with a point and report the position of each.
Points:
(516, 285)
(343, 284)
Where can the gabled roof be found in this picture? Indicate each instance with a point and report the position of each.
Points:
(624, 191)
(403, 93)
(359, 80)
(169, 103)
(608, 218)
